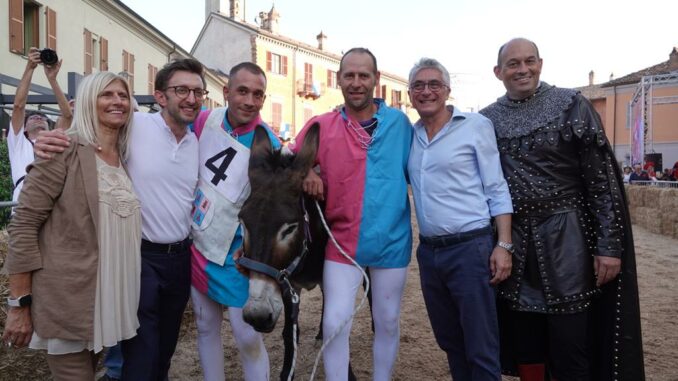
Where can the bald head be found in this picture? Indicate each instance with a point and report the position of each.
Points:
(512, 42)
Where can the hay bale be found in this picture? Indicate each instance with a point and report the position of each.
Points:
(668, 200)
(633, 212)
(649, 218)
(669, 223)
(634, 195)
(651, 196)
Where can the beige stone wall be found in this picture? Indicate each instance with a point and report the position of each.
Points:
(655, 209)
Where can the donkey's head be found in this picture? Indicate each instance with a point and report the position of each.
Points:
(273, 221)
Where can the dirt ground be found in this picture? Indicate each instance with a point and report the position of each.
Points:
(419, 357)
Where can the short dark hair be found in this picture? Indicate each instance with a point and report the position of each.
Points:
(30, 113)
(187, 64)
(359, 50)
(249, 66)
(501, 49)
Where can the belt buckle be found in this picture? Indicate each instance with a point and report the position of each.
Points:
(170, 247)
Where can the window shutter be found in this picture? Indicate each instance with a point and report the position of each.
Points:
(284, 65)
(16, 26)
(51, 28)
(103, 54)
(88, 51)
(131, 73)
(383, 92)
(308, 74)
(268, 61)
(152, 70)
(329, 78)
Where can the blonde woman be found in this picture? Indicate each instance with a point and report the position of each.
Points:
(74, 258)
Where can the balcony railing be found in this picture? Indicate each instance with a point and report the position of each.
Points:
(312, 90)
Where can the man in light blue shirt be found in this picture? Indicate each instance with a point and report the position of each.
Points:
(458, 186)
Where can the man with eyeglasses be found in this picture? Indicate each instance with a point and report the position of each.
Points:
(458, 187)
(27, 124)
(570, 307)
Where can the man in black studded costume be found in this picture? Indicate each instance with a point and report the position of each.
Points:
(569, 310)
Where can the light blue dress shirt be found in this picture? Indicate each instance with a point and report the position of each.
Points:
(456, 178)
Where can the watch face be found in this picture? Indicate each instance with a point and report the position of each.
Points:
(21, 301)
(25, 300)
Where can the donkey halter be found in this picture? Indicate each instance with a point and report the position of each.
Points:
(282, 276)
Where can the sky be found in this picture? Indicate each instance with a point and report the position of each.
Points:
(574, 37)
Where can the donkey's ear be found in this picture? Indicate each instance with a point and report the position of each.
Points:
(260, 150)
(305, 159)
(261, 144)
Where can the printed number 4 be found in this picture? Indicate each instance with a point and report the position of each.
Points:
(220, 172)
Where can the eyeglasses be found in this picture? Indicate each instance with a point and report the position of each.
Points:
(434, 86)
(183, 91)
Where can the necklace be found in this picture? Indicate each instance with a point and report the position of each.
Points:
(360, 134)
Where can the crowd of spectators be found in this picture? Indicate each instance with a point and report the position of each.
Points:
(648, 173)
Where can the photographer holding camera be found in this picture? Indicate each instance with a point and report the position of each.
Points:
(27, 125)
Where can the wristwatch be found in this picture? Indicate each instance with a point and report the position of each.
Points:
(22, 301)
(508, 246)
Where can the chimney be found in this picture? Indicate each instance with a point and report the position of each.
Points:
(273, 20)
(213, 6)
(321, 40)
(673, 59)
(236, 11)
(591, 75)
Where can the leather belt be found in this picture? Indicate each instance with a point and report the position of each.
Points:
(169, 248)
(451, 239)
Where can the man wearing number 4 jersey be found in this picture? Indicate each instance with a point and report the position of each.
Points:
(225, 136)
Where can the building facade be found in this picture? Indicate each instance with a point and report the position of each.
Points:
(89, 36)
(302, 79)
(640, 113)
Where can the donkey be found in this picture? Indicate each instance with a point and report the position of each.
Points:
(282, 231)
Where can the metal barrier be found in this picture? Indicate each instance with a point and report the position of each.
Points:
(6, 204)
(658, 183)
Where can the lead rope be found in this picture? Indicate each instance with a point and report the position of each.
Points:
(295, 313)
(355, 311)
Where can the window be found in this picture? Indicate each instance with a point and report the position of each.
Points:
(331, 79)
(308, 75)
(396, 98)
(128, 68)
(276, 116)
(152, 72)
(24, 27)
(96, 52)
(276, 63)
(383, 92)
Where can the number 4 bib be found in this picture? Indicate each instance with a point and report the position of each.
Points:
(224, 163)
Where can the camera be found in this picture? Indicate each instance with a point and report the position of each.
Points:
(49, 56)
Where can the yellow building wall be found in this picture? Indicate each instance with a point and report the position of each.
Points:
(284, 89)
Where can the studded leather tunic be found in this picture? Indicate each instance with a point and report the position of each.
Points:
(569, 205)
(565, 199)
